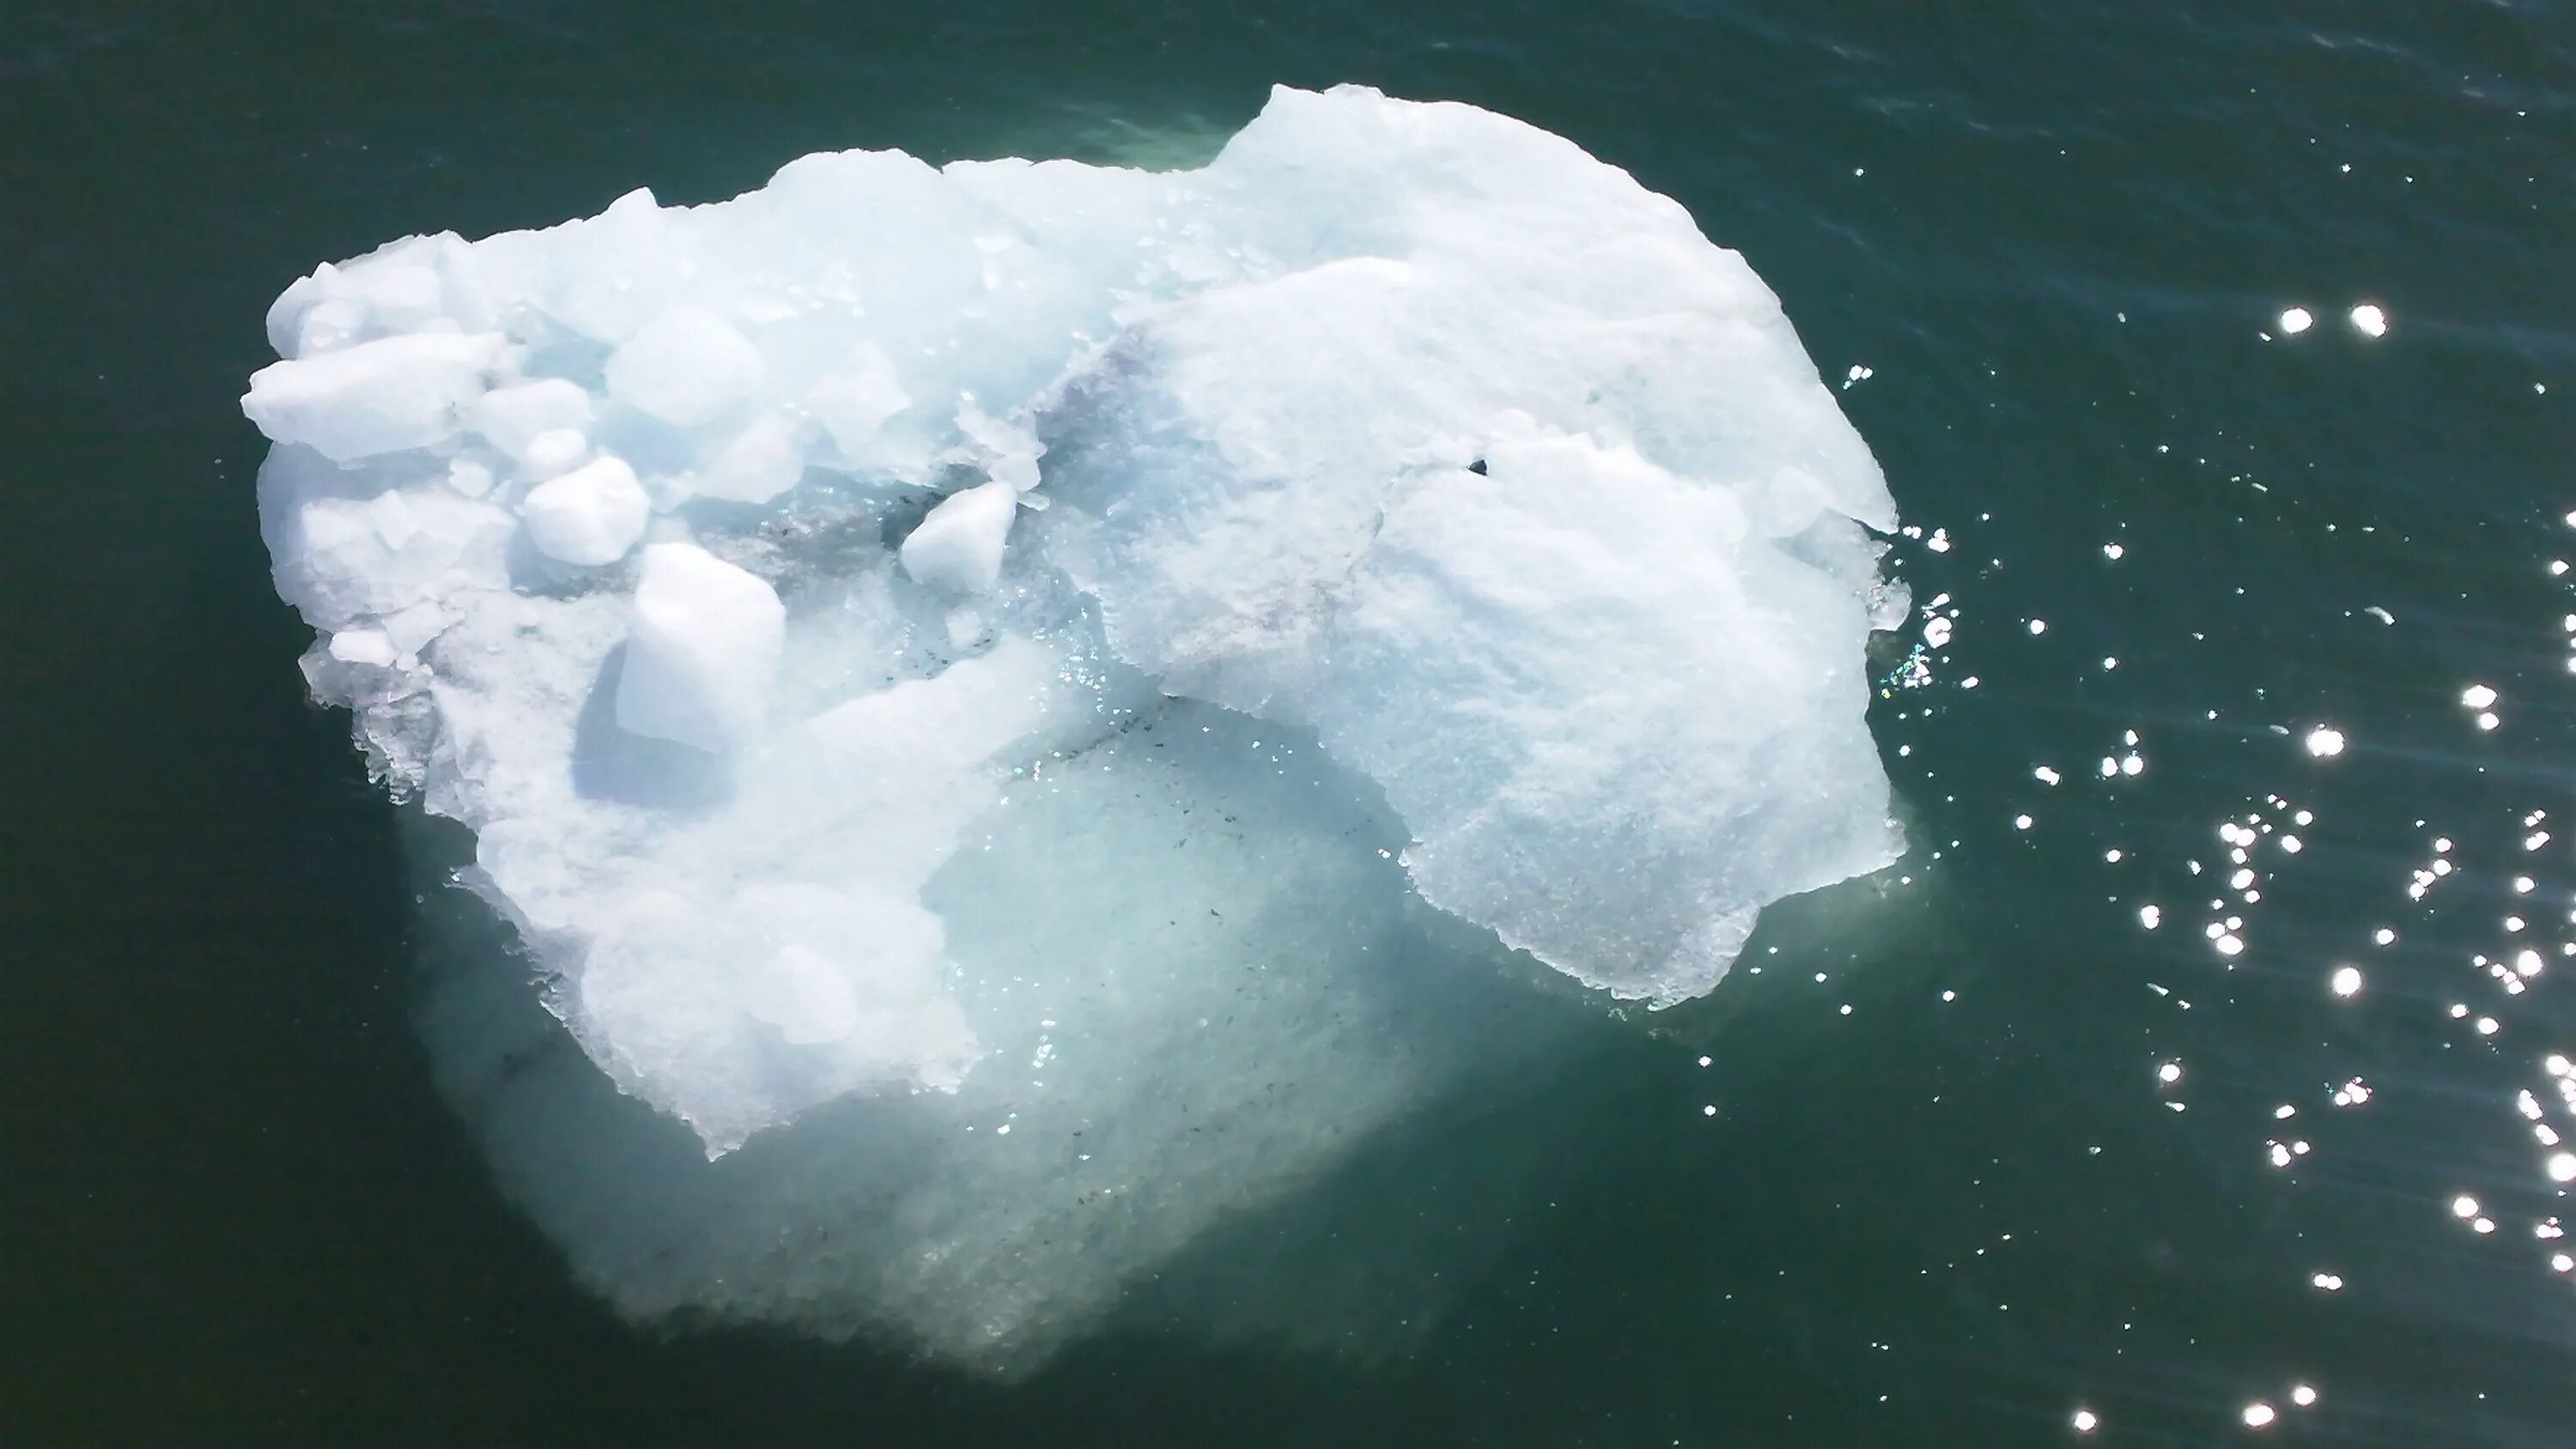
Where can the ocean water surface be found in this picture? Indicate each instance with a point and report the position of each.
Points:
(2202, 1077)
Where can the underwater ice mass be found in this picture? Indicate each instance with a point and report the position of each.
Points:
(1031, 705)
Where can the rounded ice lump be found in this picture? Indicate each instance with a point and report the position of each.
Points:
(795, 598)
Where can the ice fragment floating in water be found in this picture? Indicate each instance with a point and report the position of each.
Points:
(862, 622)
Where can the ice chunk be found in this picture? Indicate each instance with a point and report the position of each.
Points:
(353, 548)
(469, 476)
(511, 418)
(1626, 838)
(757, 464)
(605, 277)
(413, 285)
(1122, 657)
(958, 547)
(554, 451)
(376, 397)
(687, 366)
(1617, 720)
(590, 516)
(855, 403)
(1159, 1084)
(704, 645)
(362, 646)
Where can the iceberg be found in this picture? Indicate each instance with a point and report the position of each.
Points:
(1015, 710)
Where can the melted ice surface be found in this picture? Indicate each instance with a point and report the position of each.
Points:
(727, 571)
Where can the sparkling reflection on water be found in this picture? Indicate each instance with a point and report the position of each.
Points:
(2405, 944)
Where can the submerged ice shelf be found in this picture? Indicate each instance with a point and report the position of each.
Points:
(946, 668)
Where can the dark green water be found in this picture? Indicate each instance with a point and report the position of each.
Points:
(233, 1210)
